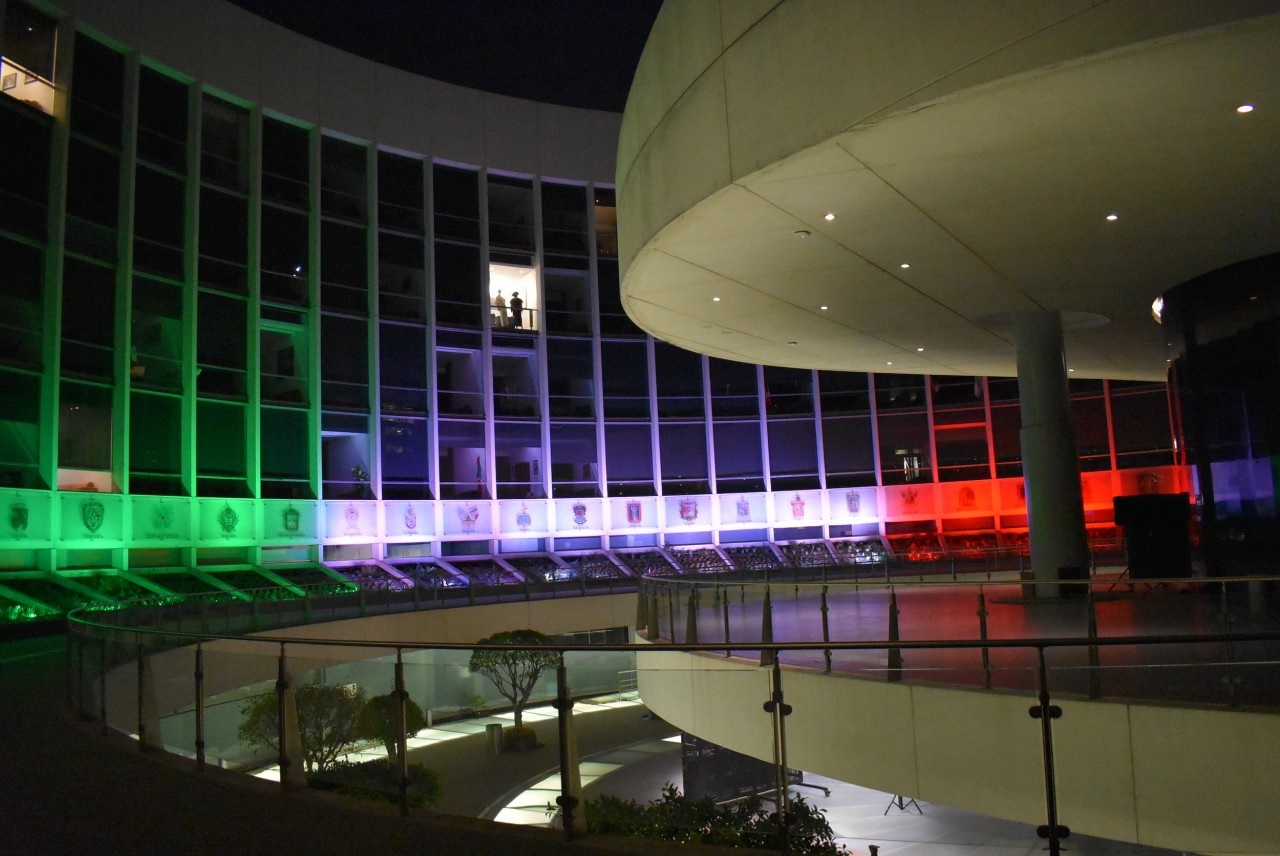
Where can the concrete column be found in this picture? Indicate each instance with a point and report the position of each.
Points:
(1050, 466)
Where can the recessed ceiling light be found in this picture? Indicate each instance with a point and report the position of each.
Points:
(829, 216)
(1245, 108)
(802, 233)
(904, 265)
(1113, 216)
(823, 308)
(1070, 370)
(919, 350)
(791, 344)
(889, 363)
(715, 300)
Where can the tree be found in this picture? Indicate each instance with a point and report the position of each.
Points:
(378, 722)
(327, 718)
(743, 823)
(514, 672)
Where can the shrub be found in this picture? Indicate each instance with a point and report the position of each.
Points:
(375, 780)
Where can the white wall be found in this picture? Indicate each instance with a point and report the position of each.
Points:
(1186, 779)
(229, 49)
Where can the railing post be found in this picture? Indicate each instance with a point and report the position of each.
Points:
(199, 681)
(778, 711)
(1046, 713)
(570, 777)
(724, 611)
(982, 634)
(102, 683)
(691, 618)
(767, 657)
(826, 630)
(1095, 665)
(142, 688)
(894, 660)
(642, 612)
(288, 740)
(402, 748)
(671, 612)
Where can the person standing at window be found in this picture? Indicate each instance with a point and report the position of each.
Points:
(500, 310)
(517, 310)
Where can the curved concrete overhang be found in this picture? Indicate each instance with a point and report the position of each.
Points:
(970, 154)
(1194, 780)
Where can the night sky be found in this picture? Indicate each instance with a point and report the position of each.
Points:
(579, 53)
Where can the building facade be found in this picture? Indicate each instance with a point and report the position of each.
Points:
(254, 323)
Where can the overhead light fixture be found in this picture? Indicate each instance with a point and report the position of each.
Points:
(823, 308)
(802, 233)
(829, 216)
(889, 363)
(1113, 216)
(715, 300)
(904, 265)
(791, 344)
(919, 350)
(1245, 108)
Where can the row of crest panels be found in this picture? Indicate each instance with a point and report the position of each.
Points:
(41, 519)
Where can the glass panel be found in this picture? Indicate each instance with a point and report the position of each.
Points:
(456, 194)
(683, 450)
(156, 349)
(285, 160)
(679, 379)
(285, 250)
(221, 345)
(564, 220)
(462, 457)
(343, 181)
(400, 189)
(343, 268)
(344, 363)
(629, 457)
(162, 120)
(574, 461)
(21, 304)
(788, 391)
(734, 388)
(159, 223)
(88, 319)
(844, 392)
(624, 372)
(568, 302)
(571, 379)
(457, 270)
(402, 277)
(515, 386)
(848, 451)
(84, 429)
(510, 214)
(155, 443)
(739, 465)
(224, 145)
(458, 388)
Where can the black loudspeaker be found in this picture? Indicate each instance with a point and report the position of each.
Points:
(1157, 531)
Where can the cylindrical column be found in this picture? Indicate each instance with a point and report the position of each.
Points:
(1051, 469)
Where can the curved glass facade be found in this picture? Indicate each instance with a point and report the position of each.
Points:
(236, 343)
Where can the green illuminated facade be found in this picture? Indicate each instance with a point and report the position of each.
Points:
(243, 346)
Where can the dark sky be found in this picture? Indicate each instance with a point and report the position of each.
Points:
(580, 53)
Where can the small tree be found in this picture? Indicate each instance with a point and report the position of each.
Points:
(327, 718)
(378, 722)
(514, 672)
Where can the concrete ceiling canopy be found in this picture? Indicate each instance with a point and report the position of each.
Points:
(975, 158)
